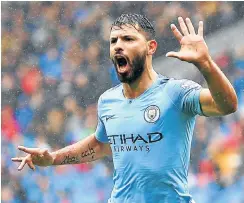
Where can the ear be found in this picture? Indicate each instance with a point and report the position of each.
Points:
(152, 46)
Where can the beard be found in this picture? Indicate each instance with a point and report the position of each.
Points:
(137, 67)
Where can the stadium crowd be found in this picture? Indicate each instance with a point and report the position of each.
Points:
(55, 65)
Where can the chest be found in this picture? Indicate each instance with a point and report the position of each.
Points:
(139, 117)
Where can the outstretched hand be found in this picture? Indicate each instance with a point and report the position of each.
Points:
(36, 156)
(193, 47)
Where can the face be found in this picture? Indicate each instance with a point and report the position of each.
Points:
(128, 51)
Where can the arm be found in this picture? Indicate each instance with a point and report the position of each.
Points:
(220, 98)
(86, 150)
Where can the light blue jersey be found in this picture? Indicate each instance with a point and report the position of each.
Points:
(150, 138)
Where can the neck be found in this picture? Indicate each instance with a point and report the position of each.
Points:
(136, 88)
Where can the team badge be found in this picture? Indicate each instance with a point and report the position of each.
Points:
(152, 114)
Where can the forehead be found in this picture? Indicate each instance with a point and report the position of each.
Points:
(126, 30)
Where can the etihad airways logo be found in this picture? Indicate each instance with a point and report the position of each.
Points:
(134, 142)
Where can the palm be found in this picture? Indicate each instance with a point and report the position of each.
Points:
(44, 160)
(36, 156)
(193, 47)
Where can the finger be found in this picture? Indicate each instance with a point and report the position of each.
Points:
(176, 32)
(34, 151)
(17, 159)
(21, 166)
(183, 26)
(200, 29)
(190, 26)
(173, 54)
(31, 165)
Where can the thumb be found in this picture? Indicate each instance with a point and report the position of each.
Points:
(44, 152)
(173, 54)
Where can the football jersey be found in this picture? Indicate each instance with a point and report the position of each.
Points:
(150, 138)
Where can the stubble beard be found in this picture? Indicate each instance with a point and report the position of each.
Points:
(137, 66)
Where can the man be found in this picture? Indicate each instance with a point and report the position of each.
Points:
(147, 122)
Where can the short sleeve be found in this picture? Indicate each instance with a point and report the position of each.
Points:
(185, 94)
(100, 133)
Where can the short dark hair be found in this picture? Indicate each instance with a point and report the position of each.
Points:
(136, 19)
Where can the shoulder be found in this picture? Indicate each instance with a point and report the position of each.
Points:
(181, 84)
(178, 89)
(112, 92)
(173, 82)
(110, 96)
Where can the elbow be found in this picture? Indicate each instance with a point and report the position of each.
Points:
(231, 108)
(234, 104)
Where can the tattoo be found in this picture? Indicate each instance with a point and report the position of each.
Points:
(70, 160)
(89, 152)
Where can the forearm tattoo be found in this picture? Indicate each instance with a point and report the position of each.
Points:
(74, 159)
(89, 152)
(70, 160)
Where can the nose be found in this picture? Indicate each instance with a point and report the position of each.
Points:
(118, 47)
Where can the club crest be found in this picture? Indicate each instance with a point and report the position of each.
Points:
(152, 114)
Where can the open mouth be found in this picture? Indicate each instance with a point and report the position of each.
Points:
(122, 64)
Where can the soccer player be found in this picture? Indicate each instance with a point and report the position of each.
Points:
(146, 123)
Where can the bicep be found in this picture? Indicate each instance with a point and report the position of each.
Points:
(208, 105)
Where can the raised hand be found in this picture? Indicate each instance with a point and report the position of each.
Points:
(36, 156)
(193, 47)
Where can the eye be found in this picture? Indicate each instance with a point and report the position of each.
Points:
(128, 39)
(113, 40)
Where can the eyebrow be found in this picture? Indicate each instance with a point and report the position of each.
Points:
(123, 35)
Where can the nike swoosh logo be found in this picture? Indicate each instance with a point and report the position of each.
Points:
(110, 117)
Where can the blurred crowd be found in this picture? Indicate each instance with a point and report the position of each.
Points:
(217, 157)
(55, 65)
